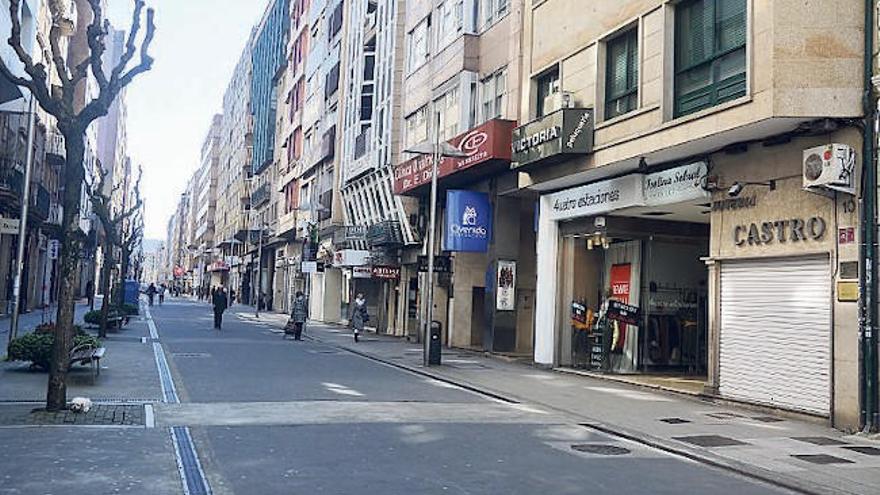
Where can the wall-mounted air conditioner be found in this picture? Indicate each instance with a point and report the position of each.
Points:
(830, 167)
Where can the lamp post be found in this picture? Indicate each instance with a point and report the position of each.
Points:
(22, 224)
(437, 150)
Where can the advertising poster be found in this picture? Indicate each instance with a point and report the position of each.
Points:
(468, 221)
(505, 298)
(620, 290)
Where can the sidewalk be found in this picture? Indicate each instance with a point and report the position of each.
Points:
(800, 455)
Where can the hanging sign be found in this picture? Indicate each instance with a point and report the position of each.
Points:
(505, 294)
(361, 272)
(468, 221)
(624, 313)
(53, 249)
(386, 272)
(9, 226)
(676, 185)
(442, 264)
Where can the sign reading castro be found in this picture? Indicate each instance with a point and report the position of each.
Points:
(468, 221)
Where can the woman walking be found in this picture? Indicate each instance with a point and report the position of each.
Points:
(299, 314)
(359, 316)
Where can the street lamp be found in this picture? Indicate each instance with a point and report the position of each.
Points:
(437, 150)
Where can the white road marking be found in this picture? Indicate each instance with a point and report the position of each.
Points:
(631, 394)
(341, 389)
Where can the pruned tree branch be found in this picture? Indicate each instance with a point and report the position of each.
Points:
(38, 83)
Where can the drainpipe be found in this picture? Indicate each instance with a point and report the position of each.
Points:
(868, 417)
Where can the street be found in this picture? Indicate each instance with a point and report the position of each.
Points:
(272, 416)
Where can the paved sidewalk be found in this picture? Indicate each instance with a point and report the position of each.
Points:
(797, 454)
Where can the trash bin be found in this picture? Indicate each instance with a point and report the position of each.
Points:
(434, 344)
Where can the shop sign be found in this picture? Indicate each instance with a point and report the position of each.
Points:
(847, 291)
(361, 272)
(596, 198)
(53, 249)
(489, 141)
(312, 267)
(568, 131)
(386, 272)
(738, 203)
(624, 313)
(351, 257)
(218, 266)
(505, 294)
(781, 231)
(442, 264)
(9, 226)
(676, 185)
(468, 221)
(355, 232)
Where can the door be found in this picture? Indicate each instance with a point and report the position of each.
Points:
(776, 332)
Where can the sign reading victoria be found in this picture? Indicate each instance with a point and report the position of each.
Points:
(564, 132)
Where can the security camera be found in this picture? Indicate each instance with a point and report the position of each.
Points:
(735, 189)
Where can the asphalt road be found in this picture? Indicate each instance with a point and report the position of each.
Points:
(269, 416)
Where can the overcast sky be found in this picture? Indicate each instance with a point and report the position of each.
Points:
(196, 47)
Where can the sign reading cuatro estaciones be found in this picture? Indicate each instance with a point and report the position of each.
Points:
(564, 132)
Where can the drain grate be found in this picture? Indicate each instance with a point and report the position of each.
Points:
(710, 441)
(675, 421)
(822, 441)
(724, 415)
(600, 449)
(864, 450)
(188, 462)
(190, 355)
(822, 459)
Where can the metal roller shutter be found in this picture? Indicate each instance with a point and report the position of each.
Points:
(776, 332)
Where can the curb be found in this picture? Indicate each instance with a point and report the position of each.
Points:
(739, 468)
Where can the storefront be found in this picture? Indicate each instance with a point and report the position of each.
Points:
(737, 269)
(473, 309)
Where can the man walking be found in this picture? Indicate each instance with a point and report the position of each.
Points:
(299, 314)
(151, 293)
(221, 302)
(161, 294)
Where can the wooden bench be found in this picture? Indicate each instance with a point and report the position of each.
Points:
(88, 354)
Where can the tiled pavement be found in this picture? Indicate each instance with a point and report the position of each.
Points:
(98, 415)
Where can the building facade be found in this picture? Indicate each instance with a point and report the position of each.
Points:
(675, 146)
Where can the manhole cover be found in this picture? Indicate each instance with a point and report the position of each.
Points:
(600, 449)
(823, 441)
(675, 421)
(864, 450)
(191, 355)
(822, 459)
(710, 441)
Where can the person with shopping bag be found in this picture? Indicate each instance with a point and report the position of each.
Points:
(299, 314)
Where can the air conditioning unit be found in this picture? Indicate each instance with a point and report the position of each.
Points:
(830, 167)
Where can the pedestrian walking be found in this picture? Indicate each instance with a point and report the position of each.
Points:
(359, 316)
(298, 315)
(231, 297)
(90, 294)
(151, 293)
(221, 302)
(162, 290)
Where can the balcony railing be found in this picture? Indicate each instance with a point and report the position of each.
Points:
(11, 180)
(39, 202)
(386, 233)
(55, 151)
(55, 214)
(260, 196)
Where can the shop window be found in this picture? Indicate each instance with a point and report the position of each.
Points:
(710, 53)
(548, 89)
(622, 74)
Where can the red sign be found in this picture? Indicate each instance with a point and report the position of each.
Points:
(218, 266)
(178, 271)
(620, 280)
(489, 141)
(846, 235)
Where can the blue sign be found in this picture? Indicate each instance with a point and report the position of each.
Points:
(468, 222)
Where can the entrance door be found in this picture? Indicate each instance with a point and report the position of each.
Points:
(776, 332)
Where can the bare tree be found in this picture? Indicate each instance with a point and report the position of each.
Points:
(112, 222)
(74, 113)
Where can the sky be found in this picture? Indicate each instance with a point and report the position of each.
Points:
(196, 47)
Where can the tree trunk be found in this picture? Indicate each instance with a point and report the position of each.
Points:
(71, 242)
(106, 268)
(123, 272)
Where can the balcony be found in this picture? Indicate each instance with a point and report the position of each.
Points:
(56, 212)
(260, 196)
(385, 234)
(56, 153)
(67, 20)
(11, 181)
(39, 203)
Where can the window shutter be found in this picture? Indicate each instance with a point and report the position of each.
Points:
(695, 23)
(731, 24)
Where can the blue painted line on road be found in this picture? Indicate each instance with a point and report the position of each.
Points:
(191, 473)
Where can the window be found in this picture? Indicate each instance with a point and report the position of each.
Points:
(418, 44)
(331, 84)
(710, 53)
(548, 88)
(492, 90)
(493, 10)
(448, 108)
(451, 22)
(417, 127)
(335, 22)
(622, 74)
